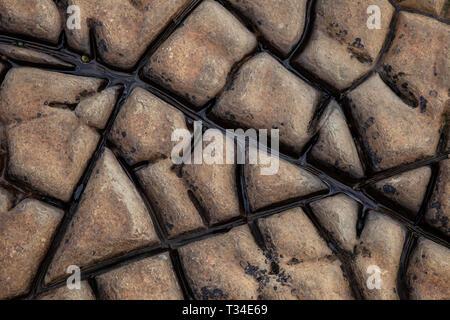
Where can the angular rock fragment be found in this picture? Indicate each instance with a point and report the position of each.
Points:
(342, 47)
(196, 59)
(36, 18)
(265, 95)
(28, 55)
(144, 126)
(112, 219)
(64, 293)
(95, 110)
(429, 6)
(147, 279)
(378, 257)
(336, 147)
(428, 275)
(339, 216)
(288, 183)
(123, 29)
(438, 214)
(170, 194)
(26, 232)
(281, 22)
(393, 133)
(48, 146)
(407, 189)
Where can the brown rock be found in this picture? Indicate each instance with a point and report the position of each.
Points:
(196, 59)
(407, 189)
(430, 6)
(288, 183)
(123, 29)
(144, 126)
(392, 131)
(170, 195)
(95, 110)
(339, 215)
(438, 214)
(64, 293)
(379, 249)
(6, 200)
(417, 63)
(342, 48)
(336, 147)
(147, 279)
(36, 18)
(26, 232)
(281, 22)
(265, 95)
(112, 219)
(214, 185)
(428, 275)
(28, 55)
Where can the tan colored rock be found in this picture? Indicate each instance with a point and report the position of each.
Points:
(378, 257)
(6, 200)
(147, 279)
(393, 133)
(288, 183)
(407, 189)
(429, 6)
(95, 110)
(123, 29)
(144, 126)
(169, 193)
(26, 232)
(28, 55)
(417, 63)
(438, 214)
(342, 48)
(428, 275)
(265, 95)
(281, 22)
(64, 293)
(339, 216)
(336, 147)
(214, 184)
(112, 219)
(196, 59)
(36, 18)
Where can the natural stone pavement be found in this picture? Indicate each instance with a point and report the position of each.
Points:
(87, 176)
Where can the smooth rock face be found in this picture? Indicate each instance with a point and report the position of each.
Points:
(144, 126)
(281, 22)
(394, 133)
(48, 146)
(170, 195)
(214, 184)
(195, 60)
(407, 189)
(36, 18)
(429, 6)
(339, 215)
(26, 232)
(147, 279)
(417, 64)
(378, 257)
(289, 182)
(265, 95)
(123, 29)
(64, 293)
(112, 219)
(28, 55)
(342, 48)
(438, 214)
(304, 259)
(336, 147)
(428, 275)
